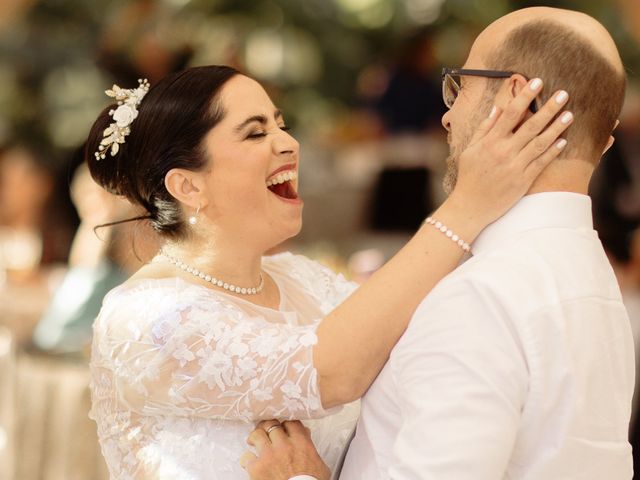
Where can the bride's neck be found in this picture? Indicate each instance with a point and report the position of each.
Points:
(230, 260)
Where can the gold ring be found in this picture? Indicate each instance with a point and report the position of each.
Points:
(272, 428)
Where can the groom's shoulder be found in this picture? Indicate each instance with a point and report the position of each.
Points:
(527, 274)
(500, 279)
(512, 265)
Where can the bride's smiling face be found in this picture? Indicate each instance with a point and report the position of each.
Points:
(251, 179)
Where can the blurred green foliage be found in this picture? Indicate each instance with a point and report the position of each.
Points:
(58, 56)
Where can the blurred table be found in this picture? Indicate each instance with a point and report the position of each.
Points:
(7, 403)
(54, 439)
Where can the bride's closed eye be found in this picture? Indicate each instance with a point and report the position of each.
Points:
(261, 134)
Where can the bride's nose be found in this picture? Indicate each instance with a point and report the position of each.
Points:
(284, 143)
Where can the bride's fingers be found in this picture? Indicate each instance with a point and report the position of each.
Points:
(539, 145)
(538, 122)
(246, 459)
(535, 167)
(516, 109)
(486, 124)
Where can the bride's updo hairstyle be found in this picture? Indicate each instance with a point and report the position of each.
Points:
(173, 119)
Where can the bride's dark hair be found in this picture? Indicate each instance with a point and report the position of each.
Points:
(173, 119)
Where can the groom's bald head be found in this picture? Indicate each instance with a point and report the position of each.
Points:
(570, 51)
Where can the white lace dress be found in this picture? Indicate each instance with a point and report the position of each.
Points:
(181, 373)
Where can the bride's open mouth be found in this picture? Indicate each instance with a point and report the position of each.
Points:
(283, 185)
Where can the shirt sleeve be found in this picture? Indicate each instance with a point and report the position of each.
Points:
(462, 379)
(210, 361)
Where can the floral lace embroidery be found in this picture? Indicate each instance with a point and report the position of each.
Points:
(180, 376)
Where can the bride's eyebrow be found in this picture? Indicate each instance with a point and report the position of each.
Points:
(261, 119)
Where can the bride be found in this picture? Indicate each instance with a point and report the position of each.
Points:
(211, 336)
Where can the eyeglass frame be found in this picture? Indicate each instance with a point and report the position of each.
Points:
(533, 107)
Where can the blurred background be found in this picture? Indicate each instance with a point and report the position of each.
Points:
(359, 82)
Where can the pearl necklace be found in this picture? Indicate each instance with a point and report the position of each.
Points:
(214, 281)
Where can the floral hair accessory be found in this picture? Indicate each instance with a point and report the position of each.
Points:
(127, 111)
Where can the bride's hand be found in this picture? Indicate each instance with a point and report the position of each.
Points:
(501, 163)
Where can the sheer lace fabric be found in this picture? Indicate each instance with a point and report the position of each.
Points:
(181, 373)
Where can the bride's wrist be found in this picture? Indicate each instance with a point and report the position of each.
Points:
(460, 217)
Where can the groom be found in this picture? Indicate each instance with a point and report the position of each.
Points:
(520, 363)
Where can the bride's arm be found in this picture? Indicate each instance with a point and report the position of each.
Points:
(497, 169)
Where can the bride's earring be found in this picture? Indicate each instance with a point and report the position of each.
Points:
(193, 219)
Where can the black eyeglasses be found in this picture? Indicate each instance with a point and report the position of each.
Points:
(451, 83)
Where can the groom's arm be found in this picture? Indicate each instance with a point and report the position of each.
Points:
(461, 379)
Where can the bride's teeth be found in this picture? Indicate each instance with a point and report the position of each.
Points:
(282, 177)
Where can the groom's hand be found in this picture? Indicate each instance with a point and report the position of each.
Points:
(285, 452)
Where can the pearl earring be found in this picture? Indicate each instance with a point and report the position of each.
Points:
(193, 219)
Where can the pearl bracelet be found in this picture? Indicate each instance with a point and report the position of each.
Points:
(449, 233)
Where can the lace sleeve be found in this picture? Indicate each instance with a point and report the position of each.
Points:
(220, 364)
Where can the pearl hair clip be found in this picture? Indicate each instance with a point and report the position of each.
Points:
(127, 111)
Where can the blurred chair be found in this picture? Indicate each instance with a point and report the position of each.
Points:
(7, 403)
(54, 438)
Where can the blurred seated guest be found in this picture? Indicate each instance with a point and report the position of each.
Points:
(35, 234)
(35, 204)
(98, 262)
(26, 185)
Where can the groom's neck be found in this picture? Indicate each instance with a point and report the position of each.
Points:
(564, 175)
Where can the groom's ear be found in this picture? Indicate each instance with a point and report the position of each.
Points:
(515, 83)
(510, 90)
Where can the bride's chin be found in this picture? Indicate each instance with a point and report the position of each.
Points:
(294, 230)
(290, 231)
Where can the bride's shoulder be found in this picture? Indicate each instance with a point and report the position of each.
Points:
(318, 279)
(150, 299)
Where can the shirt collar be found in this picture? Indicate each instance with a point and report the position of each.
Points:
(540, 210)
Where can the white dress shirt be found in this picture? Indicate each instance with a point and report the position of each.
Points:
(518, 365)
